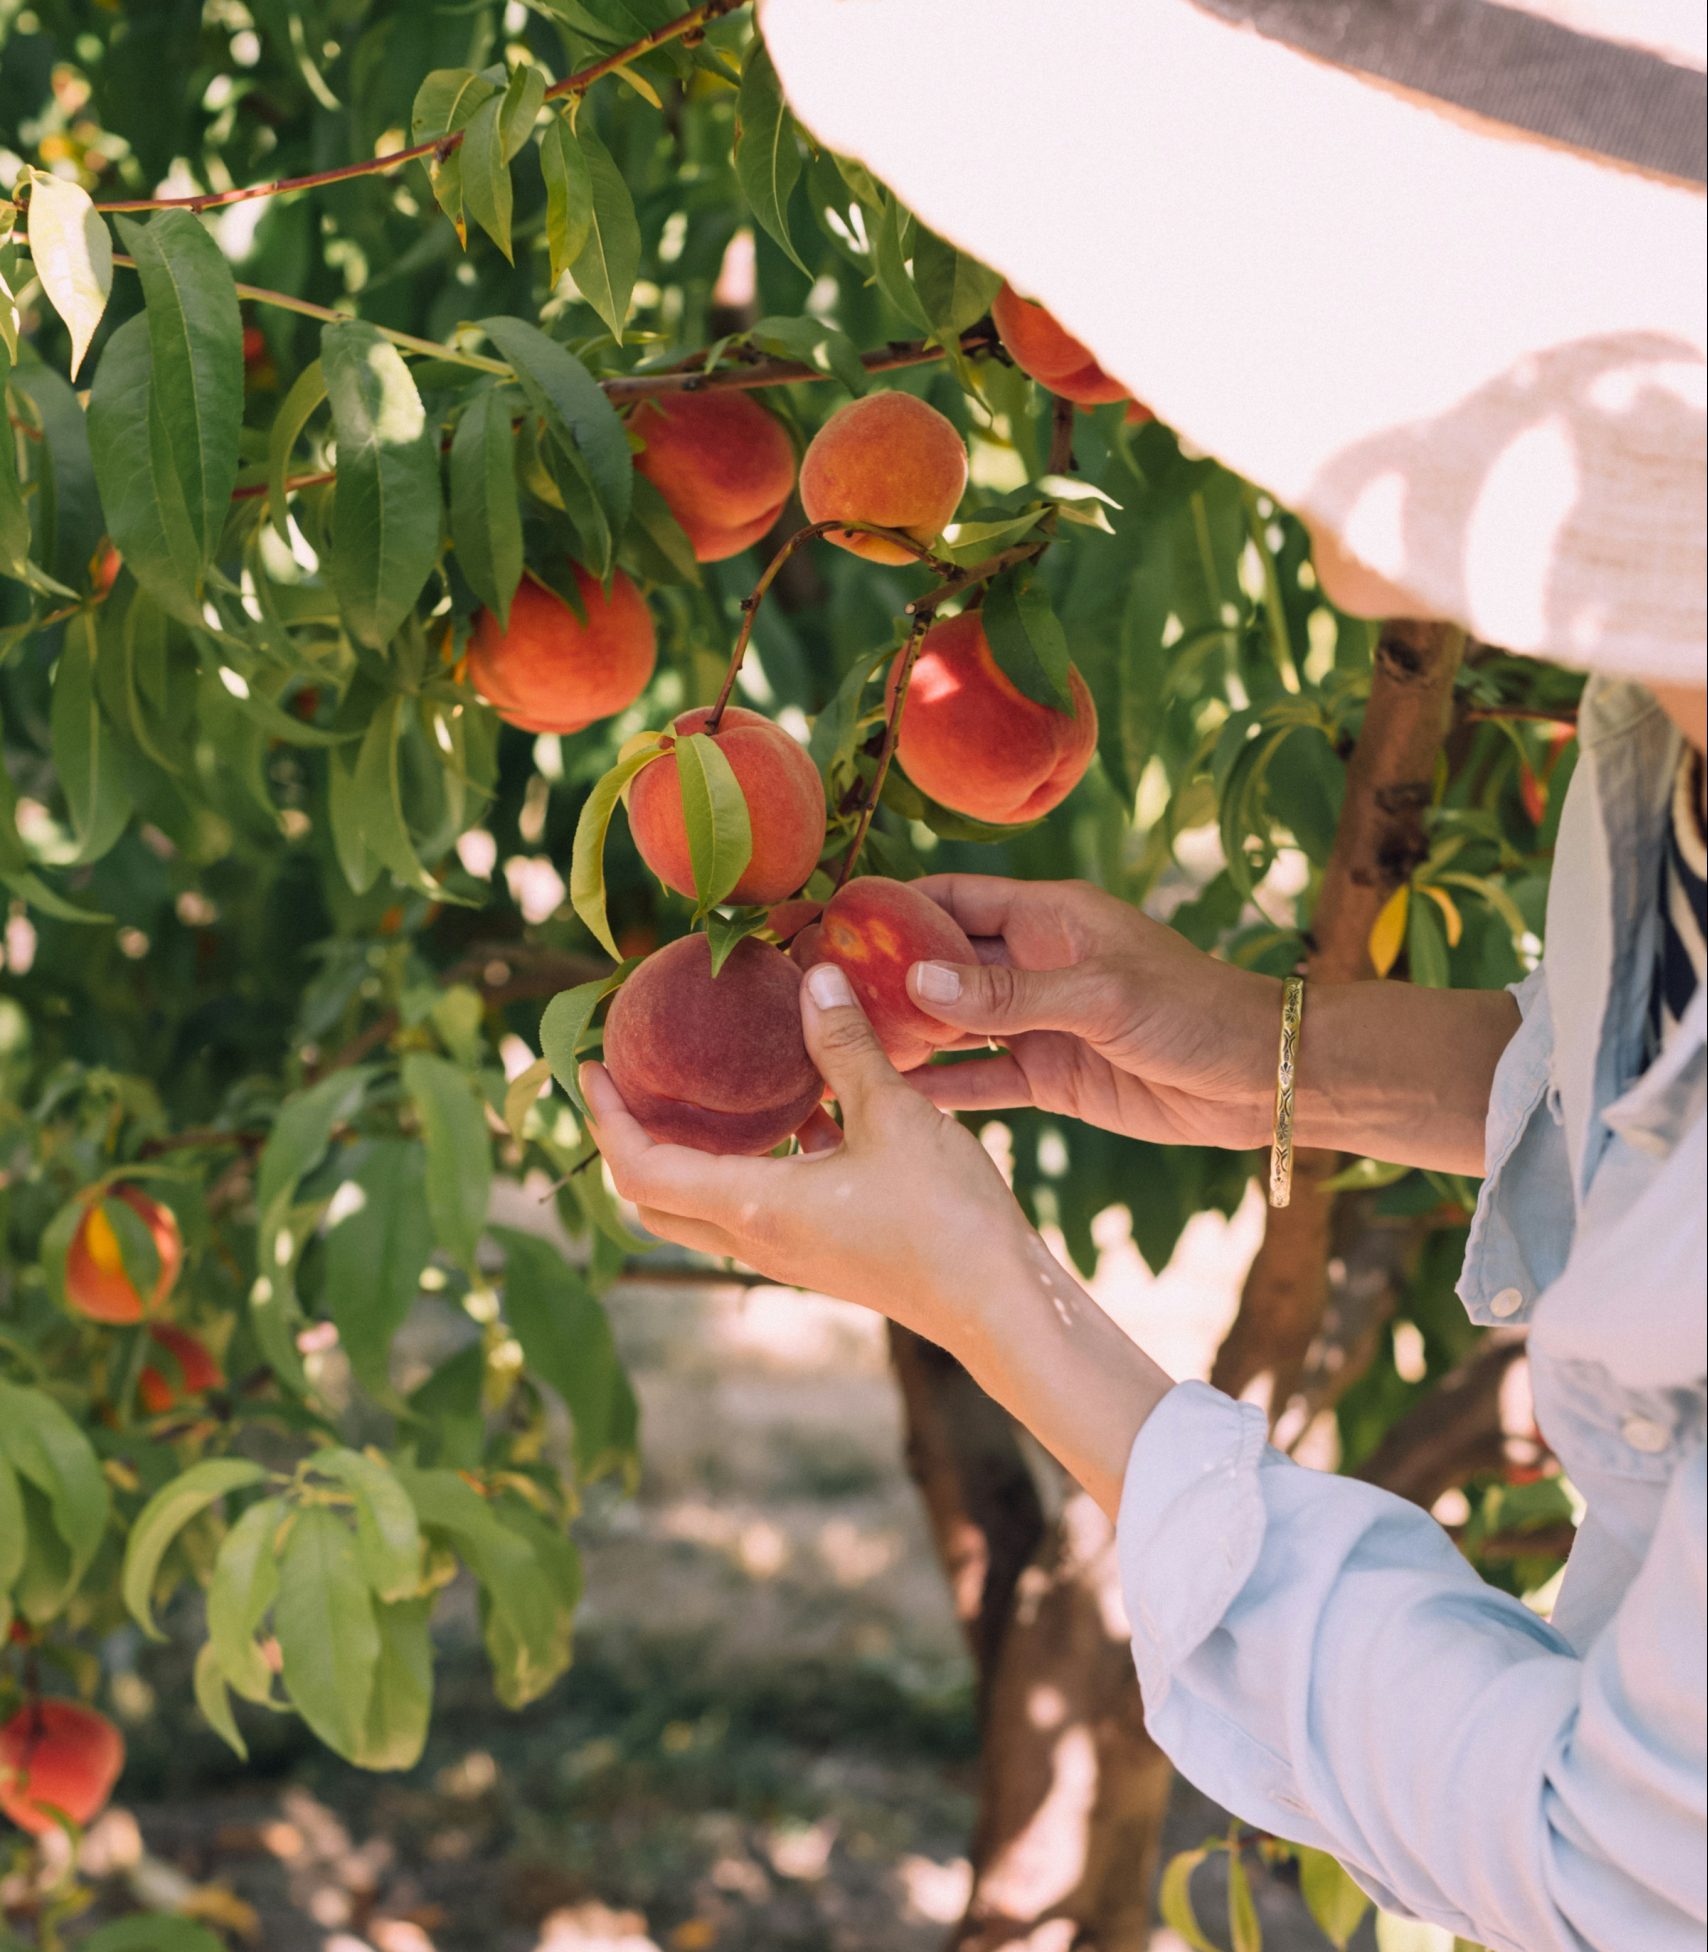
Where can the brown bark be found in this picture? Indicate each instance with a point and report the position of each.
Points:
(1478, 1418)
(1389, 786)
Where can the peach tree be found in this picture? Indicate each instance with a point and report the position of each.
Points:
(480, 489)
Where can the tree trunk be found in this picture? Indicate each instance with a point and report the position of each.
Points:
(1072, 1791)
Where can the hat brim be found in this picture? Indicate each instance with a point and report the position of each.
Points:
(1476, 358)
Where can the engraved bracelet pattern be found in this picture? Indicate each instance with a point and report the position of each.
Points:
(1281, 1148)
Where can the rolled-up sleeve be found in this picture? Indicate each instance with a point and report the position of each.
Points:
(1316, 1655)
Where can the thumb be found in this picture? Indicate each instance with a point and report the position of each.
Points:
(995, 997)
(849, 1057)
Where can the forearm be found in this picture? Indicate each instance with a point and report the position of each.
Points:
(1400, 1072)
(1046, 1352)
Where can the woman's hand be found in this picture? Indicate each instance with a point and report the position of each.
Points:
(1104, 1015)
(902, 1210)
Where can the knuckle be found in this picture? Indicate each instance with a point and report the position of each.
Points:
(845, 1034)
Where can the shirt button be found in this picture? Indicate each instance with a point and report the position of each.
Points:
(1644, 1434)
(1507, 1302)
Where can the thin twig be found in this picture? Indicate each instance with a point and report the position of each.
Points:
(886, 751)
(694, 21)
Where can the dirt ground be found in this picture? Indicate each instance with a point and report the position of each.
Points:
(766, 1742)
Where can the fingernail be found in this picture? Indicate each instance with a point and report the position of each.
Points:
(937, 982)
(829, 987)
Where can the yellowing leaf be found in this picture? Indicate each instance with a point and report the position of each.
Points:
(1388, 931)
(73, 255)
(1450, 909)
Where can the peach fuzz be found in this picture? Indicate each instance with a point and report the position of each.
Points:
(1045, 351)
(974, 742)
(785, 807)
(57, 1758)
(186, 1370)
(724, 466)
(717, 1063)
(550, 671)
(889, 459)
(875, 930)
(96, 1284)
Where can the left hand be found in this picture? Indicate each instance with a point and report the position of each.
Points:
(902, 1210)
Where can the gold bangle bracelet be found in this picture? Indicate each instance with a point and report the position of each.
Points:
(1286, 1070)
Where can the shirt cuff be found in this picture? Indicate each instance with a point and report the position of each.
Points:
(1191, 1525)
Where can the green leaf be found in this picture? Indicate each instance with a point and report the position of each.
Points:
(376, 801)
(46, 1450)
(564, 1023)
(1244, 1931)
(165, 1516)
(444, 103)
(308, 389)
(386, 1525)
(566, 1340)
(581, 422)
(954, 290)
(714, 811)
(385, 513)
(524, 97)
(84, 754)
(14, 516)
(1330, 1896)
(521, 1093)
(11, 1526)
(244, 1585)
(767, 155)
(891, 246)
(329, 1641)
(1174, 1900)
(378, 1240)
(486, 511)
(213, 1697)
(606, 266)
(487, 193)
(141, 495)
(587, 856)
(1028, 643)
(195, 336)
(401, 1705)
(1427, 959)
(723, 932)
(155, 1932)
(569, 195)
(459, 1153)
(73, 256)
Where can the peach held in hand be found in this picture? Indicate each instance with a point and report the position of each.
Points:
(724, 466)
(888, 459)
(785, 807)
(973, 741)
(552, 672)
(718, 1063)
(874, 930)
(1046, 352)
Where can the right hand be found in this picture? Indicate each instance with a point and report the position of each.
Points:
(1103, 1015)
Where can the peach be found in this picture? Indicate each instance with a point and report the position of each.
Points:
(973, 741)
(890, 459)
(875, 930)
(724, 466)
(785, 807)
(1045, 351)
(718, 1063)
(96, 1284)
(188, 1371)
(552, 672)
(57, 1758)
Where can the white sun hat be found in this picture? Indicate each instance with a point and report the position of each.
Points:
(1432, 272)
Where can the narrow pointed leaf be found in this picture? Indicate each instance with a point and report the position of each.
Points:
(608, 262)
(73, 254)
(767, 154)
(587, 856)
(165, 1516)
(714, 810)
(308, 389)
(1026, 640)
(459, 1153)
(329, 1644)
(486, 512)
(487, 192)
(569, 195)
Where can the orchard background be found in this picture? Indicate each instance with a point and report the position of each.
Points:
(323, 325)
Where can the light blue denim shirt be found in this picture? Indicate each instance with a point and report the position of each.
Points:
(1315, 1653)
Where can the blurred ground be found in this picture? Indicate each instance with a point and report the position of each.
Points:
(766, 1742)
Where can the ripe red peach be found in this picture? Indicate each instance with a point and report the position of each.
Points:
(785, 807)
(718, 1063)
(888, 459)
(1044, 350)
(96, 1284)
(974, 742)
(724, 466)
(57, 1758)
(185, 1370)
(552, 672)
(875, 930)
